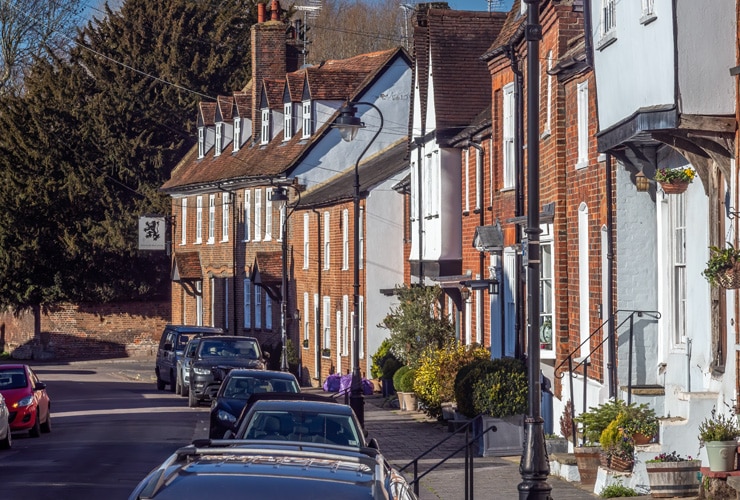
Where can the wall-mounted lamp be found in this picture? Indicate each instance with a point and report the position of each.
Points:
(465, 293)
(642, 182)
(493, 286)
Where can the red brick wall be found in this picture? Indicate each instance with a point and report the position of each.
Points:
(123, 329)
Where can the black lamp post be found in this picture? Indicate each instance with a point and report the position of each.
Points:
(348, 125)
(280, 193)
(534, 467)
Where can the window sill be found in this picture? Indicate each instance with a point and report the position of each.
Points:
(224, 241)
(210, 241)
(648, 18)
(506, 189)
(581, 164)
(606, 40)
(546, 134)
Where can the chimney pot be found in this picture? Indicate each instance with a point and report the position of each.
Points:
(275, 10)
(261, 12)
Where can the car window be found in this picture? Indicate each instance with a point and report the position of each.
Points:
(12, 379)
(242, 387)
(303, 426)
(192, 347)
(182, 341)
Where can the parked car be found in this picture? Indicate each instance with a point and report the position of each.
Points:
(236, 389)
(210, 469)
(303, 421)
(171, 346)
(220, 354)
(6, 442)
(25, 395)
(182, 385)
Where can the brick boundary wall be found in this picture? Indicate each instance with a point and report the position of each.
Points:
(87, 331)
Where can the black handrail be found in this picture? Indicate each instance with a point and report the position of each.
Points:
(585, 362)
(468, 457)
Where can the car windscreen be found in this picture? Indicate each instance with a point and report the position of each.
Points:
(310, 427)
(229, 348)
(241, 387)
(12, 379)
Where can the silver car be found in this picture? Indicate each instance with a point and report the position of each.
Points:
(6, 438)
(182, 387)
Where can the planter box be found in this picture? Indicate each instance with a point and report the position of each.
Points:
(409, 401)
(674, 479)
(508, 440)
(587, 458)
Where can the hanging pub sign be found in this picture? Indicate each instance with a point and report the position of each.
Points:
(152, 232)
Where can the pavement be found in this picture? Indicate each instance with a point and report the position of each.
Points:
(403, 436)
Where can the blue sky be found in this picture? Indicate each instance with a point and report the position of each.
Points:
(480, 4)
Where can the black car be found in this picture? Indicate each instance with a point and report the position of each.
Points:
(171, 347)
(217, 355)
(236, 389)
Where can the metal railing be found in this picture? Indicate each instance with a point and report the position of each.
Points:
(470, 442)
(586, 361)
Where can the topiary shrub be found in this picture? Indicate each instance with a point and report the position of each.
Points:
(435, 377)
(398, 375)
(465, 381)
(380, 358)
(407, 381)
(504, 391)
(390, 367)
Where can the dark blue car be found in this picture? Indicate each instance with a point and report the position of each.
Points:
(235, 390)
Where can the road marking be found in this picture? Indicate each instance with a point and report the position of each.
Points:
(126, 411)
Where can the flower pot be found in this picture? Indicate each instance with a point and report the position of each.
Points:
(639, 438)
(401, 400)
(388, 389)
(620, 464)
(730, 278)
(721, 455)
(587, 458)
(409, 401)
(674, 479)
(675, 187)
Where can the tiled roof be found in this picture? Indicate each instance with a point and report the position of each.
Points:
(243, 103)
(481, 124)
(377, 169)
(462, 82)
(226, 107)
(269, 267)
(187, 266)
(512, 31)
(274, 91)
(295, 85)
(254, 161)
(207, 114)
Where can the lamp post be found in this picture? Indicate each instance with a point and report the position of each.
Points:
(281, 194)
(534, 467)
(348, 125)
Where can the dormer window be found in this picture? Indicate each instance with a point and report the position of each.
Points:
(306, 120)
(237, 133)
(287, 121)
(219, 139)
(265, 133)
(201, 142)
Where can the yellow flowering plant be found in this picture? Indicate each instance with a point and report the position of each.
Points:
(669, 175)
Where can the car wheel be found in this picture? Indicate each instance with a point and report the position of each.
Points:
(160, 383)
(192, 400)
(35, 431)
(7, 443)
(46, 426)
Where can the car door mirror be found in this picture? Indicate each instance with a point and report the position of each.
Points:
(40, 386)
(373, 443)
(266, 355)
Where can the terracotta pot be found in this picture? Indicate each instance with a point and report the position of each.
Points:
(639, 438)
(675, 187)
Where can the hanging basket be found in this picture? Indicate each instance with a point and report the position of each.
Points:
(675, 187)
(730, 278)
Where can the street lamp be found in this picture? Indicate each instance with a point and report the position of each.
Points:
(533, 467)
(348, 125)
(280, 193)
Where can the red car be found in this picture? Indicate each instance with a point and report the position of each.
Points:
(26, 398)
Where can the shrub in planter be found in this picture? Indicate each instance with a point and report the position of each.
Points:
(407, 381)
(399, 375)
(380, 358)
(593, 422)
(435, 376)
(503, 392)
(390, 367)
(465, 380)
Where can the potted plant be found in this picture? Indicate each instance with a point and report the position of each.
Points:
(618, 448)
(397, 384)
(719, 433)
(672, 475)
(590, 426)
(723, 267)
(406, 387)
(675, 180)
(640, 423)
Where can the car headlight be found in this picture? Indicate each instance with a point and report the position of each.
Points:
(225, 416)
(24, 402)
(202, 371)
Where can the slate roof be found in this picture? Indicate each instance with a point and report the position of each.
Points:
(462, 82)
(481, 125)
(335, 80)
(373, 171)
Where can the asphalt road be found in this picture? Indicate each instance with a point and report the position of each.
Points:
(108, 431)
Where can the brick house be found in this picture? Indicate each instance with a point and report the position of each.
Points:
(274, 136)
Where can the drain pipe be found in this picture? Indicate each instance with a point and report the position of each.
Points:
(688, 365)
(612, 354)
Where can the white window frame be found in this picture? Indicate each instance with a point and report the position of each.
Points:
(583, 280)
(306, 232)
(307, 121)
(478, 177)
(327, 322)
(327, 241)
(548, 93)
(237, 134)
(225, 202)
(607, 24)
(282, 220)
(648, 12)
(268, 215)
(257, 215)
(287, 121)
(508, 144)
(361, 324)
(258, 307)
(199, 220)
(247, 214)
(268, 313)
(184, 221)
(547, 283)
(466, 208)
(201, 142)
(199, 303)
(678, 279)
(479, 317)
(265, 124)
(247, 303)
(362, 237)
(582, 89)
(212, 285)
(341, 346)
(345, 325)
(306, 319)
(219, 139)
(211, 218)
(345, 239)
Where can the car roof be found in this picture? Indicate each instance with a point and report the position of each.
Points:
(284, 404)
(194, 328)
(13, 366)
(236, 337)
(247, 372)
